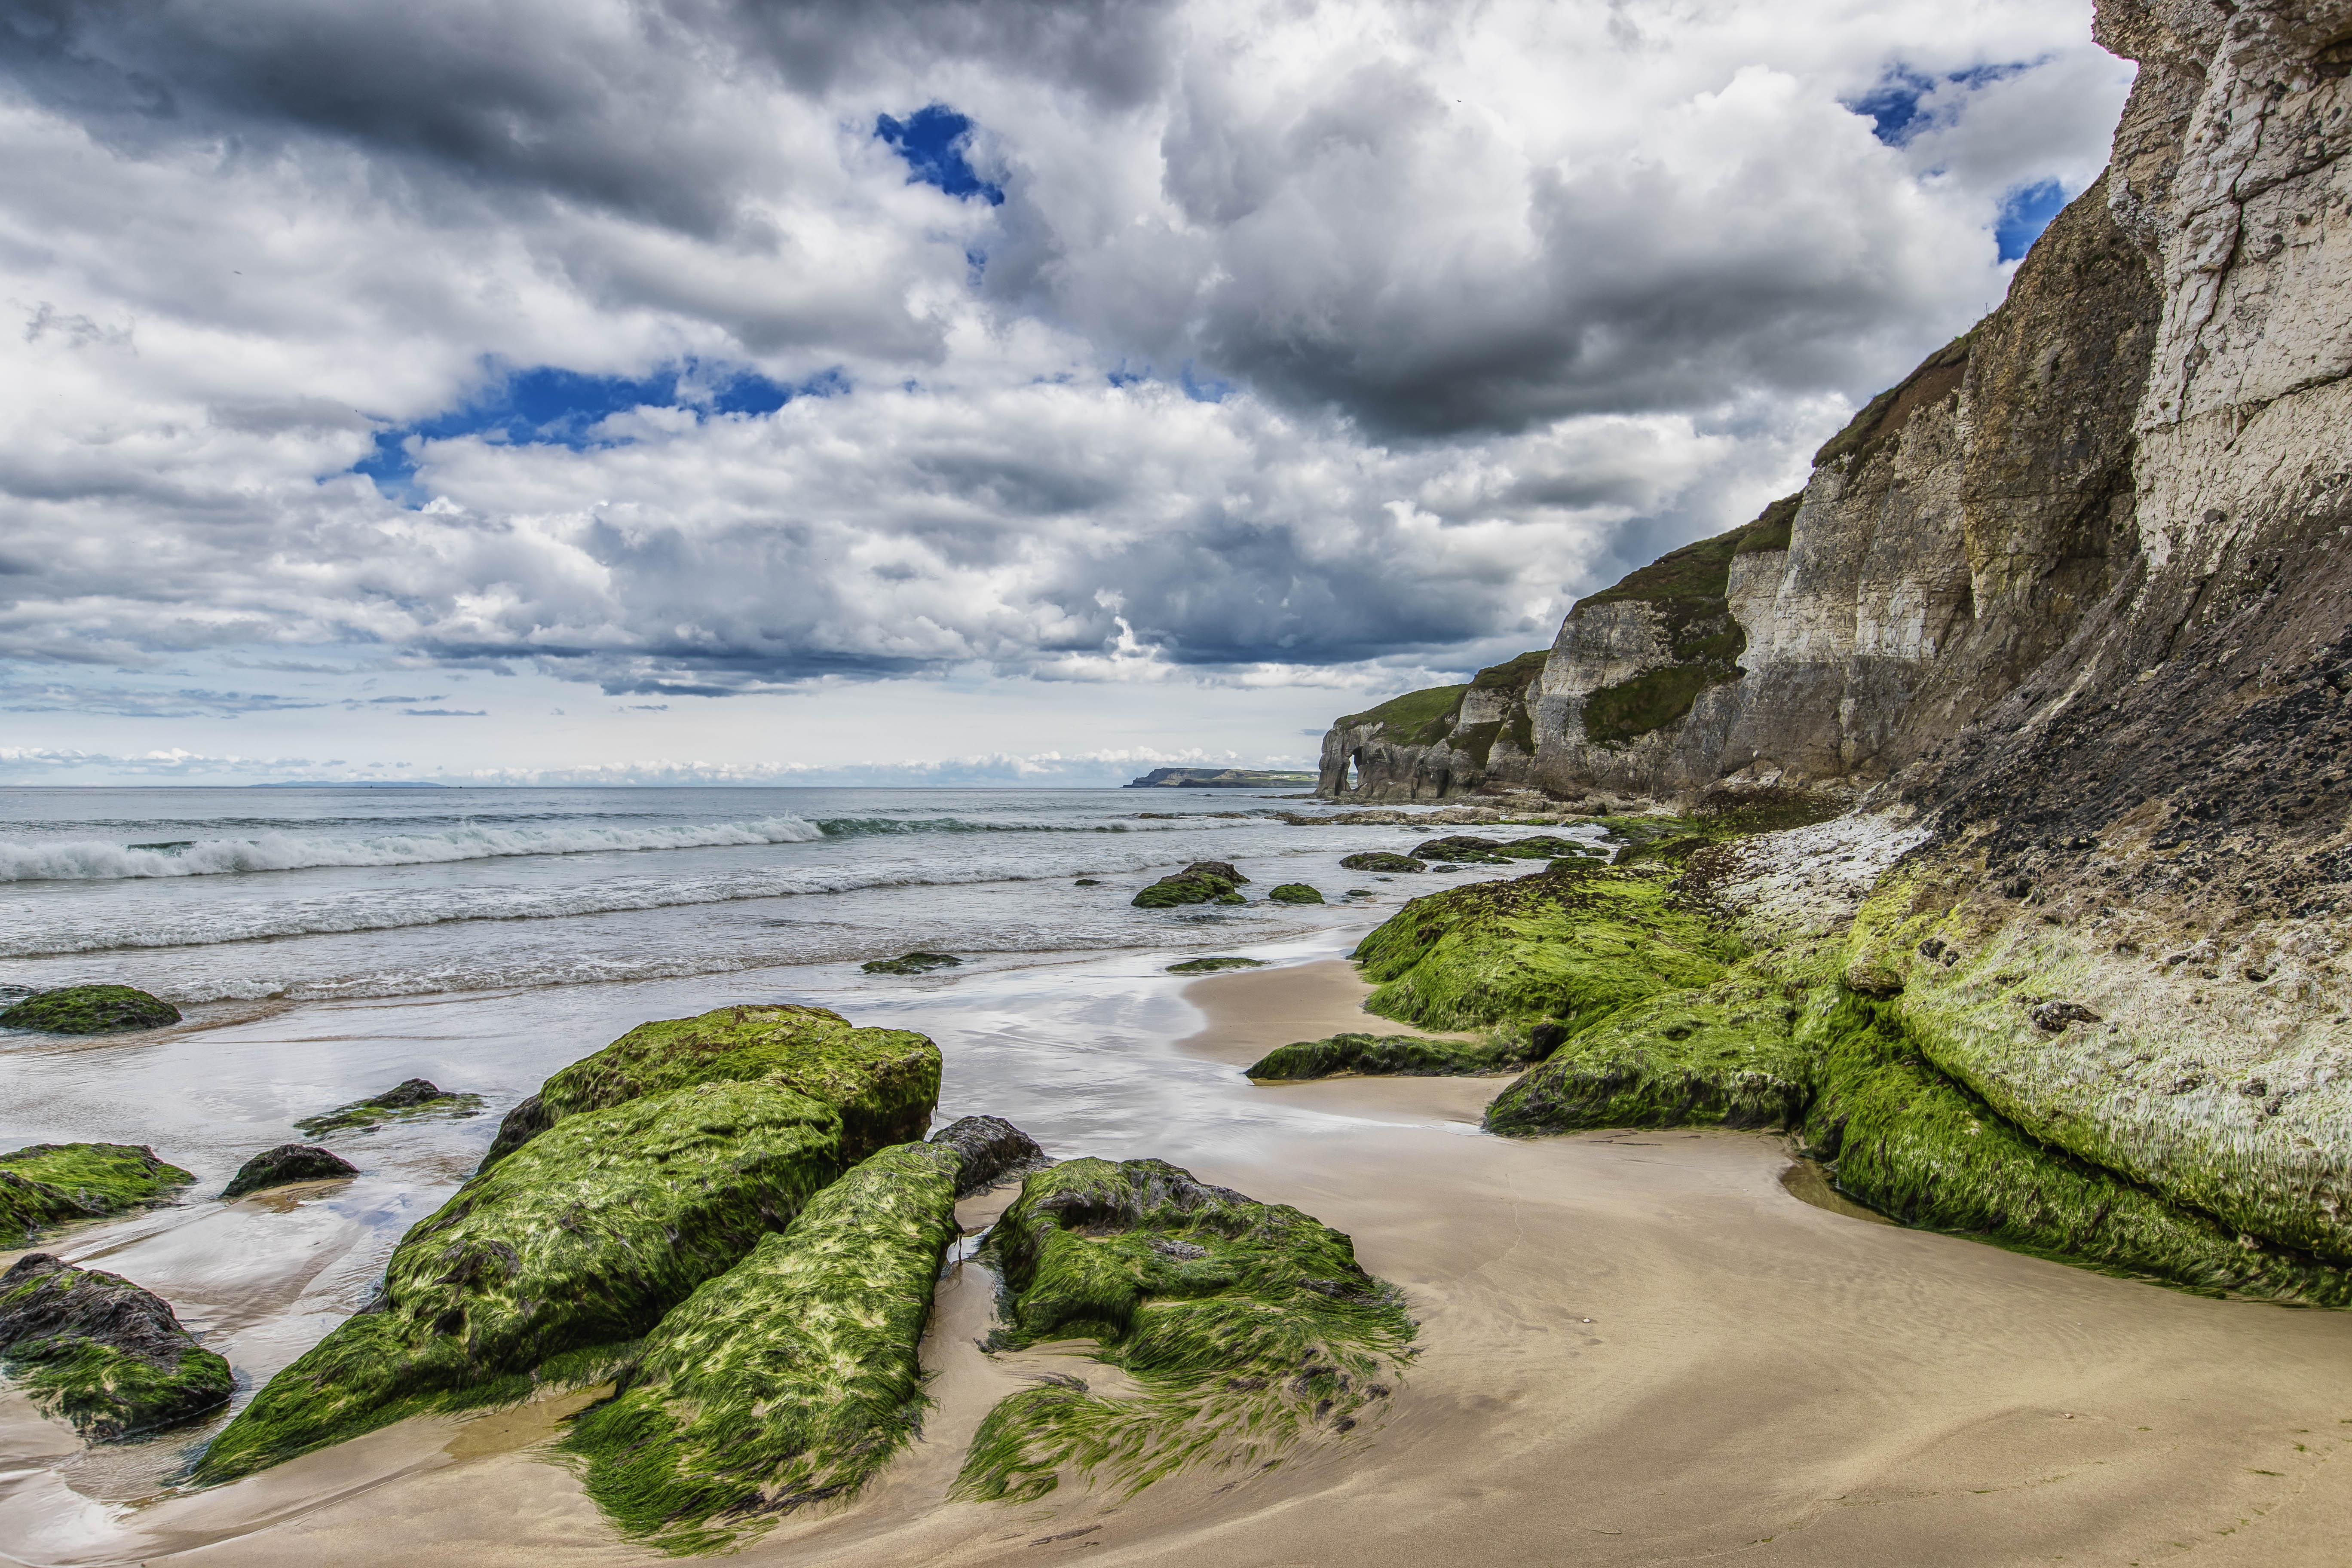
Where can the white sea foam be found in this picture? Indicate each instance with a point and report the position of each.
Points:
(93, 860)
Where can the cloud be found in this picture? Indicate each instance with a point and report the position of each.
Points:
(693, 348)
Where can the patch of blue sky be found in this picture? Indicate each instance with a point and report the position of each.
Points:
(549, 406)
(2025, 212)
(1896, 108)
(935, 141)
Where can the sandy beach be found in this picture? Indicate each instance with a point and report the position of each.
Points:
(1636, 1348)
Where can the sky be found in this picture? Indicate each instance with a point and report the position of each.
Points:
(893, 392)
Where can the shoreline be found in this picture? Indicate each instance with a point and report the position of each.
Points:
(1756, 1375)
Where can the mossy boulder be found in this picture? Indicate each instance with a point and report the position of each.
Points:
(100, 1352)
(286, 1164)
(1201, 883)
(58, 1183)
(574, 1245)
(1573, 943)
(1454, 847)
(992, 1150)
(884, 1082)
(1246, 1327)
(1401, 1056)
(1295, 893)
(1380, 860)
(911, 964)
(792, 1378)
(405, 1101)
(1211, 965)
(91, 1010)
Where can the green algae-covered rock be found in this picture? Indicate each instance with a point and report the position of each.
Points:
(911, 964)
(884, 1082)
(1573, 943)
(1211, 965)
(1201, 883)
(91, 1010)
(1380, 860)
(1245, 1326)
(1402, 1055)
(581, 1239)
(58, 1183)
(1913, 1144)
(790, 1379)
(404, 1102)
(1295, 893)
(1724, 1056)
(286, 1164)
(101, 1352)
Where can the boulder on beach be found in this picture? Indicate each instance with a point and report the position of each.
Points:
(91, 1010)
(1211, 965)
(101, 1352)
(1246, 1327)
(1295, 893)
(1201, 883)
(993, 1150)
(1380, 860)
(416, 1096)
(1399, 1056)
(546, 1265)
(286, 1164)
(884, 1082)
(910, 964)
(56, 1183)
(793, 1378)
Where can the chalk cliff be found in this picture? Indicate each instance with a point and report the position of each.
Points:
(2069, 612)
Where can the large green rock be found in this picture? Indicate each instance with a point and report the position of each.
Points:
(790, 1379)
(103, 1354)
(884, 1082)
(578, 1243)
(1571, 944)
(91, 1010)
(58, 1183)
(1201, 883)
(1246, 1328)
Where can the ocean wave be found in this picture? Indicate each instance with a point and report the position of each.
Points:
(94, 861)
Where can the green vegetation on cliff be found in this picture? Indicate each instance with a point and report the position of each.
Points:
(883, 1082)
(1415, 719)
(574, 1245)
(1573, 943)
(788, 1380)
(56, 1183)
(1245, 1326)
(91, 1010)
(102, 1353)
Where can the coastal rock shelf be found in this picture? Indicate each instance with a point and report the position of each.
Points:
(1246, 1328)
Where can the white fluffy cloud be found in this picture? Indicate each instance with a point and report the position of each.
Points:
(1306, 346)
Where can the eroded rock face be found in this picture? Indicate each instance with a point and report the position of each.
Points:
(103, 1354)
(1430, 745)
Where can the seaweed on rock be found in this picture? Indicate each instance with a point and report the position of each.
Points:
(1246, 1326)
(56, 1183)
(578, 1242)
(790, 1379)
(1380, 860)
(1201, 883)
(884, 1082)
(1401, 1056)
(286, 1164)
(107, 1355)
(1212, 965)
(91, 1010)
(1572, 943)
(405, 1101)
(1296, 893)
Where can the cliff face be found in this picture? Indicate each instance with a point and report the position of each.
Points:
(1429, 745)
(2073, 605)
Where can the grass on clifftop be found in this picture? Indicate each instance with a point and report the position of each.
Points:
(56, 1183)
(1573, 944)
(1246, 1326)
(883, 1082)
(582, 1239)
(1415, 719)
(788, 1380)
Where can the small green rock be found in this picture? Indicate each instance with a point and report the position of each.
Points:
(1295, 893)
(1201, 883)
(911, 964)
(1211, 965)
(402, 1102)
(1380, 860)
(91, 1010)
(1399, 1056)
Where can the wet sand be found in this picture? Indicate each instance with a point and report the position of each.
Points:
(1638, 1347)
